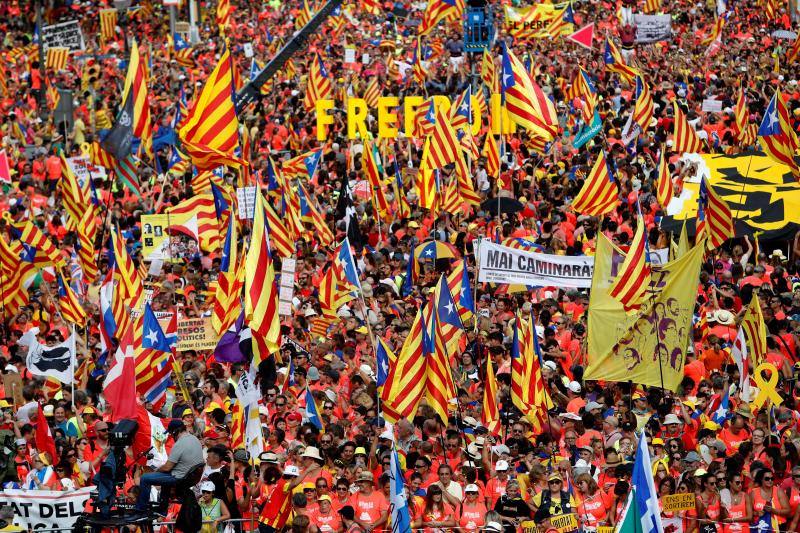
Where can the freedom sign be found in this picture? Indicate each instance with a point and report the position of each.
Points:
(46, 509)
(501, 264)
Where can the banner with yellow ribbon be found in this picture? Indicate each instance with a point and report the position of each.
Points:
(649, 347)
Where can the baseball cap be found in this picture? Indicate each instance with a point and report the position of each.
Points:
(291, 470)
(472, 487)
(207, 486)
(501, 466)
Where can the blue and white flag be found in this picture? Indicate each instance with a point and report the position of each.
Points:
(398, 503)
(645, 490)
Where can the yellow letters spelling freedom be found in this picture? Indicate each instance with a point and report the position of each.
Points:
(389, 110)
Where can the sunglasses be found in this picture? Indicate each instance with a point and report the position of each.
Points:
(279, 404)
(768, 479)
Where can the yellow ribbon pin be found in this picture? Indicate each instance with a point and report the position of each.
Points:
(766, 386)
(86, 149)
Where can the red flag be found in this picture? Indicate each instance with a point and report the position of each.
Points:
(583, 36)
(5, 169)
(119, 387)
(44, 437)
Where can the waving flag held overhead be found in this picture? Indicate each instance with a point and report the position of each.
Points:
(714, 218)
(303, 166)
(633, 277)
(319, 83)
(312, 411)
(71, 309)
(664, 187)
(684, 137)
(438, 10)
(644, 107)
(398, 502)
(599, 194)
(614, 63)
(384, 357)
(646, 516)
(525, 101)
(777, 136)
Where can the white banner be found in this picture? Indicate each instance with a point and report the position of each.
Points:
(652, 28)
(46, 509)
(66, 34)
(501, 264)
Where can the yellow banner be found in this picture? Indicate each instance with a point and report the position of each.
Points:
(196, 334)
(683, 501)
(648, 347)
(533, 22)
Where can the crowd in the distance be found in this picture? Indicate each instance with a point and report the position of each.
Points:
(457, 473)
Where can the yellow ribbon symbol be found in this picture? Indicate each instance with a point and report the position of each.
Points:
(86, 149)
(766, 386)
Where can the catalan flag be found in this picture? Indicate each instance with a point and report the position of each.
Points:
(403, 210)
(223, 16)
(741, 115)
(489, 72)
(777, 136)
(407, 379)
(227, 306)
(614, 63)
(108, 24)
(664, 188)
(37, 248)
(518, 366)
(136, 89)
(68, 304)
(87, 228)
(279, 234)
(438, 10)
(440, 389)
(311, 211)
(182, 51)
(424, 118)
(57, 57)
(372, 92)
(652, 7)
(303, 166)
(525, 101)
(319, 83)
(210, 130)
(451, 201)
(684, 137)
(202, 206)
(303, 16)
(643, 108)
(458, 282)
(261, 292)
(333, 293)
(562, 23)
(129, 287)
(370, 166)
(417, 67)
(716, 31)
(490, 414)
(599, 194)
(633, 278)
(793, 52)
(714, 218)
(312, 411)
(537, 396)
(153, 349)
(442, 147)
(492, 155)
(14, 275)
(100, 157)
(755, 331)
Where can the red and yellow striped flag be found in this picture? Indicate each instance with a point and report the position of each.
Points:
(599, 194)
(319, 83)
(87, 229)
(793, 52)
(372, 92)
(223, 15)
(740, 113)
(489, 72)
(664, 188)
(57, 57)
(68, 304)
(108, 24)
(492, 155)
(528, 106)
(755, 331)
(279, 234)
(684, 138)
(372, 173)
(261, 292)
(418, 68)
(713, 217)
(490, 415)
(633, 278)
(644, 106)
(652, 6)
(442, 147)
(136, 87)
(129, 287)
(333, 292)
(406, 382)
(303, 16)
(210, 132)
(227, 305)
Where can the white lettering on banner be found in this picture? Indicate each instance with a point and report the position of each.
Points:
(67, 35)
(84, 169)
(652, 28)
(46, 509)
(501, 264)
(247, 202)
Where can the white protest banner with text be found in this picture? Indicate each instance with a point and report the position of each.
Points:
(501, 264)
(46, 509)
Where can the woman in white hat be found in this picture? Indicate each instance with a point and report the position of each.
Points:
(214, 510)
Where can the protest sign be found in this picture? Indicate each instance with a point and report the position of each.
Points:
(67, 34)
(532, 22)
(588, 132)
(46, 509)
(247, 202)
(156, 243)
(678, 502)
(196, 334)
(565, 522)
(501, 264)
(84, 170)
(710, 105)
(652, 28)
(12, 384)
(286, 292)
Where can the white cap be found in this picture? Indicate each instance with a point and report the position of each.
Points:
(501, 465)
(387, 433)
(472, 487)
(575, 387)
(671, 419)
(207, 486)
(493, 526)
(291, 470)
(551, 365)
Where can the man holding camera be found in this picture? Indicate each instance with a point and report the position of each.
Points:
(187, 452)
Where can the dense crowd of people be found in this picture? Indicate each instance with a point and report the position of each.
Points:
(458, 474)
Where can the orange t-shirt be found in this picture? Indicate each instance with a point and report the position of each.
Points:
(369, 508)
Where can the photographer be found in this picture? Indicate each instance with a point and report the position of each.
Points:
(187, 452)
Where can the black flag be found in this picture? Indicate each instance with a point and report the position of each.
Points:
(118, 141)
(347, 212)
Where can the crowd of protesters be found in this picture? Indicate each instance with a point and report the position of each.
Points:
(457, 474)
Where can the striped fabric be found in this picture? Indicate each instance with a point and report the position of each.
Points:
(755, 331)
(417, 67)
(664, 188)
(280, 237)
(437, 11)
(37, 247)
(644, 107)
(56, 58)
(319, 83)
(223, 15)
(227, 306)
(518, 354)
(740, 114)
(424, 118)
(489, 72)
(528, 106)
(793, 52)
(776, 134)
(652, 6)
(451, 199)
(202, 205)
(136, 86)
(492, 155)
(13, 275)
(332, 295)
(210, 130)
(100, 157)
(87, 229)
(261, 291)
(633, 278)
(490, 414)
(108, 24)
(68, 305)
(125, 170)
(684, 138)
(76, 198)
(406, 382)
(599, 194)
(370, 167)
(129, 288)
(561, 23)
(614, 63)
(372, 92)
(714, 219)
(442, 147)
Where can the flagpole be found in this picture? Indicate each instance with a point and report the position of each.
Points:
(73, 361)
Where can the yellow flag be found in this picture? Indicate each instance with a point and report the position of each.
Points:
(649, 347)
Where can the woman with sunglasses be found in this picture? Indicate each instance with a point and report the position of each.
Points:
(740, 506)
(437, 514)
(472, 513)
(709, 509)
(593, 503)
(341, 496)
(768, 497)
(213, 510)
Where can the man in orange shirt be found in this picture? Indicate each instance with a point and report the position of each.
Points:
(372, 509)
(714, 357)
